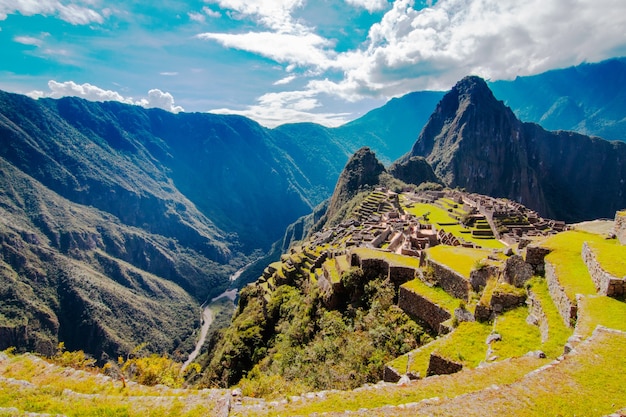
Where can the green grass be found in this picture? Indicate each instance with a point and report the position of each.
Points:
(438, 215)
(342, 263)
(466, 344)
(518, 337)
(597, 310)
(570, 269)
(392, 258)
(460, 259)
(611, 256)
(435, 294)
(558, 332)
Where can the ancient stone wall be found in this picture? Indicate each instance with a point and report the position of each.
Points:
(401, 274)
(451, 281)
(567, 308)
(425, 310)
(620, 226)
(391, 374)
(442, 366)
(503, 301)
(536, 315)
(606, 284)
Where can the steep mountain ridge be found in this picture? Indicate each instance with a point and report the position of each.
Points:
(474, 141)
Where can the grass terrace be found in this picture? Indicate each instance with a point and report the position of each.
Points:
(441, 219)
(518, 337)
(330, 265)
(595, 310)
(610, 255)
(566, 257)
(460, 259)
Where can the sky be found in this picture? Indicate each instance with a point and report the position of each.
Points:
(284, 61)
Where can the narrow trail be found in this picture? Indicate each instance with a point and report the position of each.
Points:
(208, 315)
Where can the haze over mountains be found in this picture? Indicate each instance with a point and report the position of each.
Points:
(117, 221)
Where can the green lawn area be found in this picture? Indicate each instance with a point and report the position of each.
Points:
(566, 257)
(611, 255)
(392, 258)
(594, 310)
(439, 216)
(518, 337)
(458, 258)
(558, 332)
(435, 294)
(466, 344)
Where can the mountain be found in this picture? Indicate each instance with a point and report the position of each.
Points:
(588, 98)
(474, 141)
(117, 221)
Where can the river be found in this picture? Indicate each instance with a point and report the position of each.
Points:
(208, 315)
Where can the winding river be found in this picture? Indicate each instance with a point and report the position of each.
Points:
(208, 315)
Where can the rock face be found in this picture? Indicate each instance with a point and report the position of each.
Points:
(620, 226)
(474, 141)
(415, 170)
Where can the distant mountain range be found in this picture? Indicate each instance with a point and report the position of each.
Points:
(117, 222)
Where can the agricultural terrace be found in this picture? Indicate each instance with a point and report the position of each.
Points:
(566, 257)
(442, 220)
(598, 310)
(610, 255)
(435, 294)
(460, 259)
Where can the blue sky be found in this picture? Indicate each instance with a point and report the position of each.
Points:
(280, 61)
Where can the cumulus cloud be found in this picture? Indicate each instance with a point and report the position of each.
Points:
(73, 13)
(160, 100)
(433, 47)
(156, 98)
(196, 17)
(369, 5)
(211, 13)
(274, 14)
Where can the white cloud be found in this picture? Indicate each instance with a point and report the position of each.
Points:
(156, 98)
(275, 14)
(169, 73)
(211, 13)
(369, 5)
(196, 17)
(300, 49)
(159, 99)
(434, 47)
(285, 80)
(28, 40)
(274, 109)
(72, 13)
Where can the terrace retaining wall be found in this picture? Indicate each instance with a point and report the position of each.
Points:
(425, 310)
(535, 257)
(451, 281)
(441, 366)
(567, 308)
(537, 315)
(606, 284)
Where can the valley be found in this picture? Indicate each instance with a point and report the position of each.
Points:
(437, 252)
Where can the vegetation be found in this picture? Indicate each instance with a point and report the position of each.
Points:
(570, 269)
(596, 310)
(435, 294)
(610, 255)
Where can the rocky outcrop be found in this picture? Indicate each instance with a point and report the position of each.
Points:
(478, 277)
(516, 271)
(535, 256)
(606, 284)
